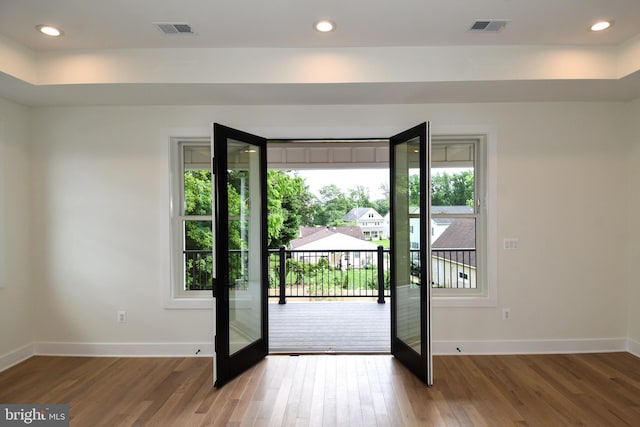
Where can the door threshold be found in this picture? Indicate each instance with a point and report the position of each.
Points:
(328, 352)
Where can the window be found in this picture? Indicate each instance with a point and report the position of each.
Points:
(458, 218)
(191, 220)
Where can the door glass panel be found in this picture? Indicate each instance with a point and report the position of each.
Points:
(407, 242)
(244, 258)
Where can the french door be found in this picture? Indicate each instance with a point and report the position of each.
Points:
(410, 250)
(240, 252)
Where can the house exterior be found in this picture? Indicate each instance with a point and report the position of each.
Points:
(438, 223)
(342, 246)
(453, 247)
(453, 255)
(369, 220)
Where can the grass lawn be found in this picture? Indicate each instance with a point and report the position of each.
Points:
(385, 243)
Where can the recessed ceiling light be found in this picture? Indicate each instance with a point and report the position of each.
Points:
(325, 26)
(601, 25)
(49, 30)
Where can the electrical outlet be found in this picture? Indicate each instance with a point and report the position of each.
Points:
(122, 316)
(506, 313)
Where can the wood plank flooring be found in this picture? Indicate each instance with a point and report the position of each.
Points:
(326, 327)
(336, 390)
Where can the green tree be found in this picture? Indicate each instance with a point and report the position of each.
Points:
(359, 197)
(197, 201)
(198, 235)
(452, 189)
(331, 206)
(381, 206)
(289, 205)
(414, 190)
(446, 189)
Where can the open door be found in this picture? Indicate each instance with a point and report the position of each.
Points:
(410, 153)
(240, 252)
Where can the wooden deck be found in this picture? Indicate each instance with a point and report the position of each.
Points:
(329, 327)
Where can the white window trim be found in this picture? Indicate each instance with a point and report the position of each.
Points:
(488, 299)
(488, 294)
(174, 295)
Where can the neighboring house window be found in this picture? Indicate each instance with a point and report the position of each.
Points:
(458, 192)
(191, 219)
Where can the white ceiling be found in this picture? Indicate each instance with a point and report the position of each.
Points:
(107, 24)
(115, 26)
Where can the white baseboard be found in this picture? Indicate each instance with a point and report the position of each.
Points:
(123, 349)
(479, 347)
(16, 356)
(530, 346)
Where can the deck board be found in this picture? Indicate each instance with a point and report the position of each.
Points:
(328, 327)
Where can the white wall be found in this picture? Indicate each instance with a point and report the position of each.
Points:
(633, 274)
(16, 296)
(100, 194)
(101, 224)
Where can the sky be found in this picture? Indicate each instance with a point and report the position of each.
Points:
(346, 179)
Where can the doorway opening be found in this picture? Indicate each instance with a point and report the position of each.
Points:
(329, 275)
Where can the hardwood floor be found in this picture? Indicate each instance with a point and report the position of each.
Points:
(334, 390)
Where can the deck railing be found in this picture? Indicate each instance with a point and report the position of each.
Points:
(329, 274)
(338, 273)
(198, 269)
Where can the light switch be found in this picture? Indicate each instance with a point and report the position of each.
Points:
(511, 244)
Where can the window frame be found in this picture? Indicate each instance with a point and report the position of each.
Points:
(485, 294)
(177, 296)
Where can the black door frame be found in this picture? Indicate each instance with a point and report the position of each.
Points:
(420, 364)
(227, 366)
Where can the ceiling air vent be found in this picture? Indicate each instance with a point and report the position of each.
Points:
(488, 26)
(174, 27)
